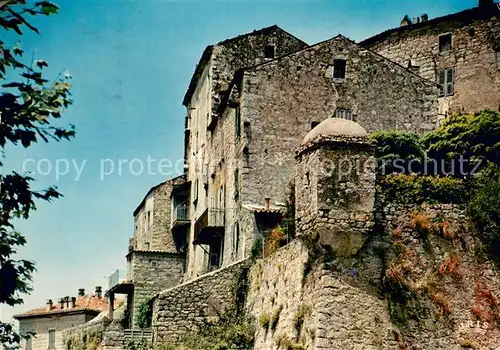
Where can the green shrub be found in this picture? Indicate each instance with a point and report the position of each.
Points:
(392, 145)
(473, 136)
(484, 209)
(228, 334)
(406, 189)
(264, 320)
(275, 317)
(143, 318)
(256, 248)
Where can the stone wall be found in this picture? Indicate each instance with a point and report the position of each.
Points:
(335, 191)
(191, 305)
(85, 336)
(153, 220)
(447, 294)
(298, 309)
(151, 273)
(281, 100)
(474, 55)
(213, 155)
(246, 51)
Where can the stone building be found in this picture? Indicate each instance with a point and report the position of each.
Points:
(240, 181)
(460, 51)
(156, 256)
(48, 322)
(213, 201)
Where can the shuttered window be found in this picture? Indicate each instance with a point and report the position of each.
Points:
(446, 82)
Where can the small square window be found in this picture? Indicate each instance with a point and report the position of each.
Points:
(445, 43)
(314, 124)
(269, 51)
(339, 69)
(343, 113)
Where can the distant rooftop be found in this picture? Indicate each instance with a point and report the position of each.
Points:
(83, 303)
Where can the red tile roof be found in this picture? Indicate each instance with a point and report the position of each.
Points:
(86, 303)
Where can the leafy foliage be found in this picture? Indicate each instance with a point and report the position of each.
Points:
(229, 334)
(392, 145)
(474, 136)
(144, 314)
(29, 105)
(416, 189)
(484, 208)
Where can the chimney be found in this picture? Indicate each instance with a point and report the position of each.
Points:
(49, 304)
(425, 17)
(81, 292)
(61, 303)
(73, 302)
(98, 291)
(484, 3)
(416, 20)
(268, 202)
(67, 302)
(405, 21)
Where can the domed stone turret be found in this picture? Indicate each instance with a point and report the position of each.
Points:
(335, 127)
(335, 185)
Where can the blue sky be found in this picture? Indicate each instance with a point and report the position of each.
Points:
(131, 62)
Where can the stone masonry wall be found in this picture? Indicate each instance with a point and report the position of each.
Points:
(88, 335)
(475, 55)
(335, 192)
(153, 272)
(246, 50)
(154, 219)
(191, 305)
(315, 310)
(448, 292)
(281, 99)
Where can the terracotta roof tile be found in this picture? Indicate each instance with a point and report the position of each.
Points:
(83, 303)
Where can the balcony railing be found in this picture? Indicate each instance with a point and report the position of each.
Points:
(180, 215)
(211, 222)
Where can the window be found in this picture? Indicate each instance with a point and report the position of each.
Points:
(52, 338)
(236, 183)
(445, 81)
(237, 121)
(343, 113)
(195, 191)
(149, 218)
(269, 51)
(28, 344)
(314, 124)
(339, 69)
(236, 238)
(445, 43)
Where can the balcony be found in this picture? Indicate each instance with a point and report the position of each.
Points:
(180, 216)
(209, 226)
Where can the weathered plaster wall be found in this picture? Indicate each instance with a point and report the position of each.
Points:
(191, 305)
(475, 55)
(282, 98)
(42, 325)
(153, 272)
